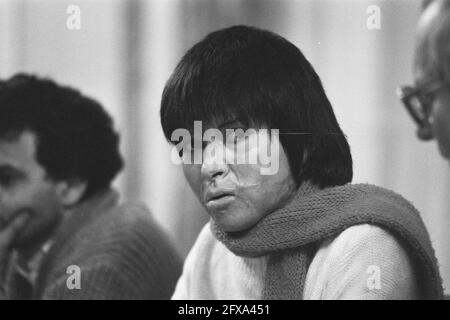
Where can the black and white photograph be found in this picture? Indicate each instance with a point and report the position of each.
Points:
(241, 151)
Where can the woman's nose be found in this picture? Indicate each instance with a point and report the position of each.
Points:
(214, 165)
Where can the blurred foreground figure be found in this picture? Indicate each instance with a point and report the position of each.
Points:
(292, 227)
(63, 234)
(428, 101)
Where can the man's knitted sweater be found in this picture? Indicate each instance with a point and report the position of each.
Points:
(120, 251)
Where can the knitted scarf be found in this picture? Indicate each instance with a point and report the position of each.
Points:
(290, 235)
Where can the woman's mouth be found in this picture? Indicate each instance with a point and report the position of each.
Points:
(218, 199)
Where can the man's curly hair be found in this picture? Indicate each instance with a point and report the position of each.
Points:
(75, 136)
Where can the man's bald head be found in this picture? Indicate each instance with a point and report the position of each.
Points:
(432, 54)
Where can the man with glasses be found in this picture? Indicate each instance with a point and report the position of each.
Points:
(428, 101)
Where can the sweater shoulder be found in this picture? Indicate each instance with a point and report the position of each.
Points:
(357, 235)
(128, 221)
(125, 242)
(363, 242)
(131, 228)
(119, 231)
(343, 265)
(358, 243)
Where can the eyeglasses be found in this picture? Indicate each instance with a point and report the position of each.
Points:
(418, 100)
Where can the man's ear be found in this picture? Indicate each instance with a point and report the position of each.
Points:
(71, 191)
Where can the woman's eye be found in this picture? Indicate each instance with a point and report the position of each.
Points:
(190, 148)
(185, 149)
(6, 180)
(428, 97)
(236, 135)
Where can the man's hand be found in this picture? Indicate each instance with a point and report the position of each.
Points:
(7, 236)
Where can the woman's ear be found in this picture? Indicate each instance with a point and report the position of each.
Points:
(70, 192)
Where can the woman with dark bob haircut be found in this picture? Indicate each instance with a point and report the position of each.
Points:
(301, 231)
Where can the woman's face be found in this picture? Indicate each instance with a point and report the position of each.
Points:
(236, 195)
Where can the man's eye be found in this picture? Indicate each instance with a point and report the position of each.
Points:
(427, 101)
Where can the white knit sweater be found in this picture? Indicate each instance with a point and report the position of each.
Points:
(363, 262)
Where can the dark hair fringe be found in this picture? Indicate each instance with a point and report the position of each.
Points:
(260, 78)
